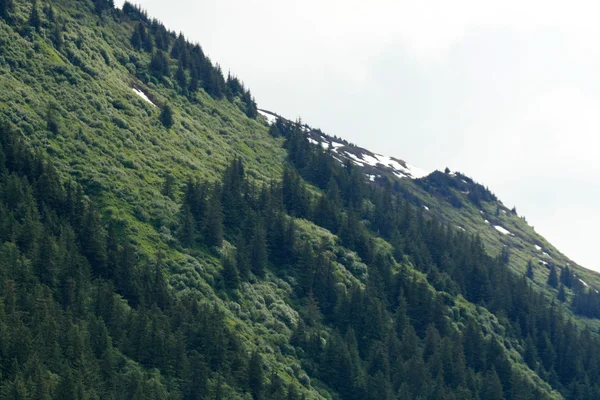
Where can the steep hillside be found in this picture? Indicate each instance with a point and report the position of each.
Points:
(161, 237)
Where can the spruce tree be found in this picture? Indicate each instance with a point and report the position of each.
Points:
(258, 250)
(562, 296)
(213, 219)
(34, 17)
(166, 117)
(529, 272)
(553, 277)
(230, 273)
(255, 376)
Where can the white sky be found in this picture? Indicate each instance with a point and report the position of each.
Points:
(506, 92)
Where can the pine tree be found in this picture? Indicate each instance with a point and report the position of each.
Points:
(6, 6)
(255, 376)
(492, 387)
(562, 296)
(230, 273)
(553, 277)
(188, 228)
(529, 273)
(166, 117)
(213, 219)
(258, 250)
(34, 17)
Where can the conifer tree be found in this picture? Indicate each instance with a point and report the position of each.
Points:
(258, 250)
(213, 219)
(553, 277)
(34, 17)
(6, 6)
(255, 376)
(166, 117)
(529, 273)
(562, 296)
(230, 273)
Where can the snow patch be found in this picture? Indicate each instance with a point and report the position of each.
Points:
(584, 284)
(487, 222)
(546, 254)
(425, 207)
(269, 117)
(143, 96)
(502, 230)
(461, 228)
(543, 262)
(538, 248)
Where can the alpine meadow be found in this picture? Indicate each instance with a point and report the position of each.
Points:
(161, 237)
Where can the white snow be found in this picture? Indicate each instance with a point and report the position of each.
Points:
(504, 211)
(313, 141)
(465, 181)
(269, 117)
(355, 158)
(487, 222)
(370, 160)
(461, 228)
(546, 254)
(143, 96)
(502, 230)
(584, 284)
(372, 178)
(543, 262)
(425, 207)
(538, 248)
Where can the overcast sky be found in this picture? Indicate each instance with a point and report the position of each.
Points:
(507, 93)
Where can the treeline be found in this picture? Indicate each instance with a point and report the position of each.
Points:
(172, 56)
(194, 69)
(82, 317)
(392, 339)
(455, 263)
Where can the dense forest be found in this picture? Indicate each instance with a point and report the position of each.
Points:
(313, 283)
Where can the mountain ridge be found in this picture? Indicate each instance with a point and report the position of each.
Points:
(169, 243)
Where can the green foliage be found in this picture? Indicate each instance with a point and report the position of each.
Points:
(116, 283)
(166, 117)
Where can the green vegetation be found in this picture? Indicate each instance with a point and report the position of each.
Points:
(175, 247)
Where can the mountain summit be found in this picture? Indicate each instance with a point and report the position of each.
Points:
(163, 238)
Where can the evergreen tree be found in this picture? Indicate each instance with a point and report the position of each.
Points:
(562, 296)
(34, 17)
(230, 273)
(213, 219)
(553, 277)
(166, 117)
(529, 272)
(258, 250)
(255, 376)
(6, 7)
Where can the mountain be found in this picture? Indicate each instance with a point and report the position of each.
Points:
(161, 237)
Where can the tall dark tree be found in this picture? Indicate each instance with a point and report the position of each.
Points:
(255, 376)
(166, 117)
(529, 274)
(213, 219)
(34, 17)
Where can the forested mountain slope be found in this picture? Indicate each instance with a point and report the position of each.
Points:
(160, 239)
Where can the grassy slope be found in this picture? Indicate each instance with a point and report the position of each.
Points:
(112, 141)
